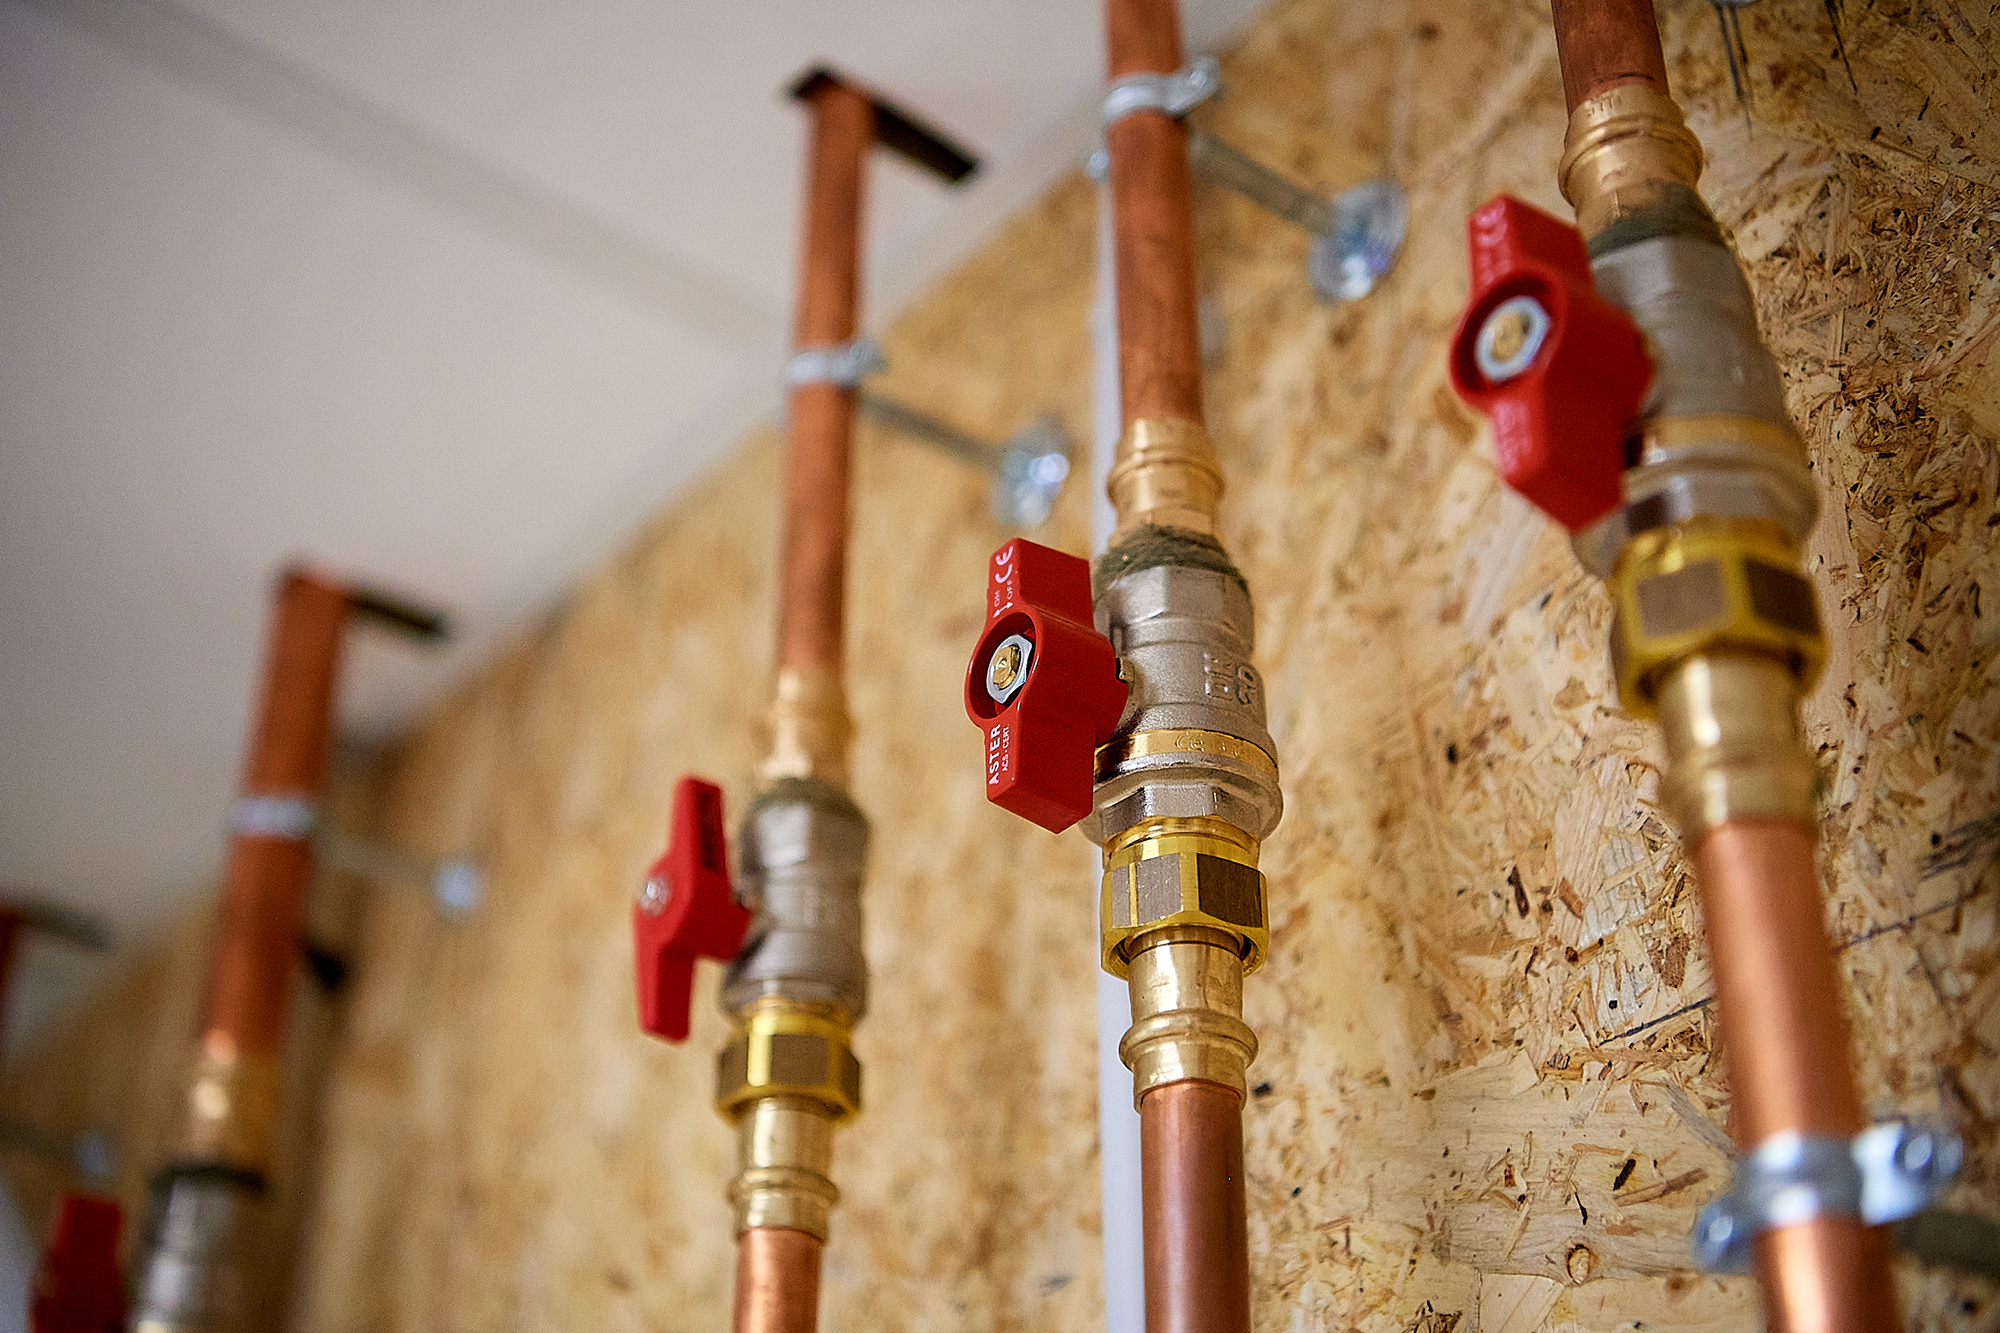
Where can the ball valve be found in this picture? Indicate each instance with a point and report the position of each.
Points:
(1561, 371)
(686, 910)
(1043, 685)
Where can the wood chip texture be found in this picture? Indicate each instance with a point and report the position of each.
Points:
(1489, 1092)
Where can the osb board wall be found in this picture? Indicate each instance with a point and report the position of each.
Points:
(1488, 1095)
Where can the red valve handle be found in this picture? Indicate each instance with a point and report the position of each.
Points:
(77, 1286)
(1561, 406)
(1047, 714)
(685, 911)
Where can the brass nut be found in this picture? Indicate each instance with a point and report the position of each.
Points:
(1704, 588)
(1192, 871)
(788, 1050)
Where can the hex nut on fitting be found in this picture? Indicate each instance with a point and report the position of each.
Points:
(788, 1050)
(1200, 873)
(1706, 588)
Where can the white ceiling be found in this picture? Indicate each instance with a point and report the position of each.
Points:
(445, 295)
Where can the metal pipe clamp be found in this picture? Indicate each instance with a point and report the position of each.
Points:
(843, 364)
(287, 818)
(1883, 1174)
(1175, 94)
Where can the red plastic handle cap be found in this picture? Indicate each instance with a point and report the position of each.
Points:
(685, 911)
(77, 1286)
(1043, 685)
(1561, 371)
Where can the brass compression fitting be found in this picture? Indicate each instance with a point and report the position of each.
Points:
(1187, 788)
(788, 1076)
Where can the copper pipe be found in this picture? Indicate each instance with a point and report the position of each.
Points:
(264, 883)
(812, 577)
(1604, 44)
(1159, 340)
(1785, 1046)
(1197, 1240)
(777, 1281)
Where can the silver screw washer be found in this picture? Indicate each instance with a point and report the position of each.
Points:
(654, 895)
(1511, 338)
(1370, 221)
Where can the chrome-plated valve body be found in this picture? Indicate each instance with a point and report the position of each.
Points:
(1193, 741)
(195, 1276)
(803, 854)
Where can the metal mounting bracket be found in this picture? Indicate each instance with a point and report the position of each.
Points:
(1355, 235)
(456, 885)
(1885, 1173)
(1174, 94)
(283, 818)
(1029, 467)
(843, 364)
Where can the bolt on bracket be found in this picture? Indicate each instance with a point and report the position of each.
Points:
(1356, 234)
(1028, 467)
(456, 885)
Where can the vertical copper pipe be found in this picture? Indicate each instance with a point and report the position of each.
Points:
(264, 883)
(1197, 1239)
(777, 1281)
(1605, 43)
(1785, 1045)
(813, 569)
(1159, 339)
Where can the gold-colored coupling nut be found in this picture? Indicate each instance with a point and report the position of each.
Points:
(1706, 587)
(1187, 1012)
(788, 1049)
(1166, 476)
(1625, 152)
(1198, 872)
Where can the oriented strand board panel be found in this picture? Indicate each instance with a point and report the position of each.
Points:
(1489, 1094)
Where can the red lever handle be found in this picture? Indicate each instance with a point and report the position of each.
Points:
(1560, 370)
(685, 911)
(1043, 685)
(77, 1287)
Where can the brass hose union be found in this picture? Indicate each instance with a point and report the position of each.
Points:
(1166, 476)
(1705, 587)
(1165, 873)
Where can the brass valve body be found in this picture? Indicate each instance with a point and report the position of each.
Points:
(1706, 587)
(787, 1049)
(1169, 872)
(1187, 1011)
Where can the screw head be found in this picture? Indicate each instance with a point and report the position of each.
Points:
(1511, 338)
(654, 895)
(1007, 670)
